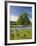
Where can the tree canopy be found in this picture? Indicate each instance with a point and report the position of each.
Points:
(23, 19)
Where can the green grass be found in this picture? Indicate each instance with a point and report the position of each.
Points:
(17, 34)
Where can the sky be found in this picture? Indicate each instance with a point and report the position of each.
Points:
(16, 10)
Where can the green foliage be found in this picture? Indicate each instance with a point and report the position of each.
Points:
(23, 19)
(16, 34)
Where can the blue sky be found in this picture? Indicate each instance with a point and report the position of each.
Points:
(16, 10)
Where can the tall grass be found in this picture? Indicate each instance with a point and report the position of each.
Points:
(17, 34)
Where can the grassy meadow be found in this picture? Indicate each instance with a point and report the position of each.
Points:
(17, 34)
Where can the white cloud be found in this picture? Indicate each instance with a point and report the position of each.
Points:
(31, 20)
(13, 18)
